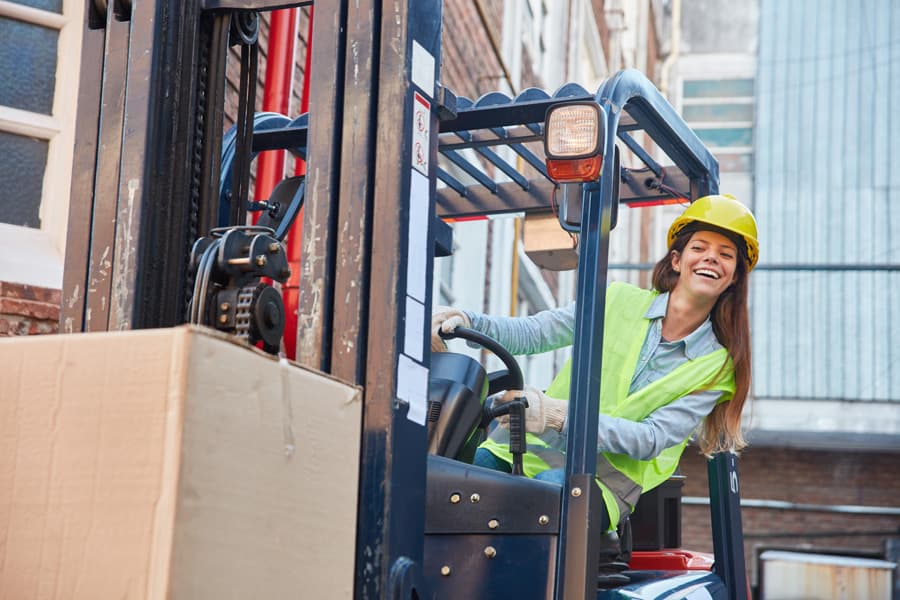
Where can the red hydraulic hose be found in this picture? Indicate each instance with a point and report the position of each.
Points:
(277, 93)
(280, 64)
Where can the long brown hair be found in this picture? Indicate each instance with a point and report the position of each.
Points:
(721, 429)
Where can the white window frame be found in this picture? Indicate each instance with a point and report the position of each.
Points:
(720, 66)
(710, 67)
(28, 255)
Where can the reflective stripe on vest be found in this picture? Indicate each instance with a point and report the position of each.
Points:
(621, 477)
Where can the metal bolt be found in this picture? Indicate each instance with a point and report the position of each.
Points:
(490, 552)
(474, 498)
(223, 319)
(445, 570)
(543, 519)
(273, 247)
(225, 306)
(576, 492)
(455, 498)
(493, 524)
(261, 260)
(285, 273)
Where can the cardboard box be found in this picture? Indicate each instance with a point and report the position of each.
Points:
(547, 244)
(172, 463)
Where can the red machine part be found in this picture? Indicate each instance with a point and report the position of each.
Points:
(671, 560)
(270, 170)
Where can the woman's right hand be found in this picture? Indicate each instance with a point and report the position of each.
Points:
(446, 319)
(542, 412)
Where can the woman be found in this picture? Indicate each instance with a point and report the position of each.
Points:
(674, 358)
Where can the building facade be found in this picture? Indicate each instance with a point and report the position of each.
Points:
(795, 101)
(544, 44)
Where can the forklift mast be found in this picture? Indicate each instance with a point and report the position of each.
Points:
(381, 132)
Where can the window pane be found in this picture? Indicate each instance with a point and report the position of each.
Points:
(732, 136)
(735, 162)
(22, 163)
(51, 5)
(27, 66)
(718, 112)
(718, 88)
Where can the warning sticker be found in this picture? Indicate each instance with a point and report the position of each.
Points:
(421, 133)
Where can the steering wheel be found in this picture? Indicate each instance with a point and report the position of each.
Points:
(510, 379)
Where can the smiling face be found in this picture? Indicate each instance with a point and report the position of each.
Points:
(707, 265)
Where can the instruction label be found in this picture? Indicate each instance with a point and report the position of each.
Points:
(421, 133)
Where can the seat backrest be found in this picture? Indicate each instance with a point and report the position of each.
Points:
(457, 388)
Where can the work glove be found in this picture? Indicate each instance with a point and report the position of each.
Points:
(446, 319)
(543, 412)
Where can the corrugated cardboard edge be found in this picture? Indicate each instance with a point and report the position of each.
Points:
(324, 454)
(158, 580)
(206, 331)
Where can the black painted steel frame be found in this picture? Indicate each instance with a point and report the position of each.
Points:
(359, 207)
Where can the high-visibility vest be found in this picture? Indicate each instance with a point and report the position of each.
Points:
(623, 479)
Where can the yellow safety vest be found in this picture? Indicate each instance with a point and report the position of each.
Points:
(623, 479)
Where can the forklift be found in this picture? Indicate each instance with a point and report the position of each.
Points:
(159, 237)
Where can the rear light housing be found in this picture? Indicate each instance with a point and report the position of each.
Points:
(574, 135)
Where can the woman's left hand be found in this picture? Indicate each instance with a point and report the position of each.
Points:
(543, 412)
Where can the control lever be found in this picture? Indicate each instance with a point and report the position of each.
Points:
(517, 441)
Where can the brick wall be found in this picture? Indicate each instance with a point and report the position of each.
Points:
(28, 310)
(234, 64)
(803, 477)
(469, 66)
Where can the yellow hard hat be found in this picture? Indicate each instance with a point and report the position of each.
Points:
(725, 212)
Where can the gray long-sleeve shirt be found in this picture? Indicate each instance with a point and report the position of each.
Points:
(666, 426)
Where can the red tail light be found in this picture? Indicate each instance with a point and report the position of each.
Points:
(574, 170)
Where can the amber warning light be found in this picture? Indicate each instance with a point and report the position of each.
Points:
(573, 142)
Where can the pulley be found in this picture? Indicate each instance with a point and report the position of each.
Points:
(228, 292)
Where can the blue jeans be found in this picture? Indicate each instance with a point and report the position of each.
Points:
(484, 458)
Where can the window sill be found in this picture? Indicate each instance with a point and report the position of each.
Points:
(29, 256)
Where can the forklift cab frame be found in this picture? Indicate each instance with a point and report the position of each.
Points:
(627, 103)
